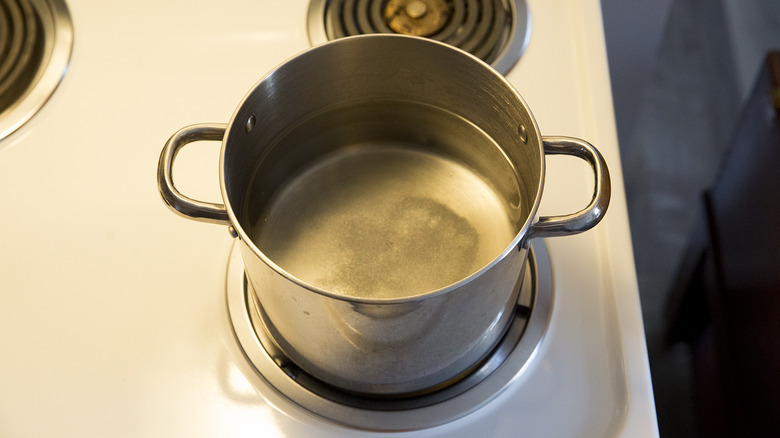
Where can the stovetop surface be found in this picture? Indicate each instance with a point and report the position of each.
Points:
(112, 309)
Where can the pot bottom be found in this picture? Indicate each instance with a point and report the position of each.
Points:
(482, 384)
(384, 220)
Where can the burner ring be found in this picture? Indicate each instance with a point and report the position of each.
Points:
(495, 31)
(36, 37)
(508, 361)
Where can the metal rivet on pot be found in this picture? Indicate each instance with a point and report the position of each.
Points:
(523, 133)
(232, 231)
(250, 123)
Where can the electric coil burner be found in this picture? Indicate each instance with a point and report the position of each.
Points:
(480, 385)
(495, 31)
(35, 42)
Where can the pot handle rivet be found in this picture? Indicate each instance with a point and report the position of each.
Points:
(250, 123)
(523, 133)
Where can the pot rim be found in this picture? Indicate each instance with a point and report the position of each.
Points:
(518, 243)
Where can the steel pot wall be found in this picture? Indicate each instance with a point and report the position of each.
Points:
(366, 95)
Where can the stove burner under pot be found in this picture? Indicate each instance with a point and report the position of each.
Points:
(484, 382)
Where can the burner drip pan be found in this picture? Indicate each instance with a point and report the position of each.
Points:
(477, 388)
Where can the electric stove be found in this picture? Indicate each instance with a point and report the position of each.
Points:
(118, 318)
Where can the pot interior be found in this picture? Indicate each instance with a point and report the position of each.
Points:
(379, 200)
(388, 179)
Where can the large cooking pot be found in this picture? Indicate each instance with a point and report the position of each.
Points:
(384, 190)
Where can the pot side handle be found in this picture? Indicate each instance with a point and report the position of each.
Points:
(587, 218)
(180, 204)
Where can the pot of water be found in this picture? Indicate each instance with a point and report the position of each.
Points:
(384, 190)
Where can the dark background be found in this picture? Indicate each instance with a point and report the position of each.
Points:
(681, 71)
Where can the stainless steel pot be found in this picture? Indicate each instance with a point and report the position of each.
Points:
(384, 190)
